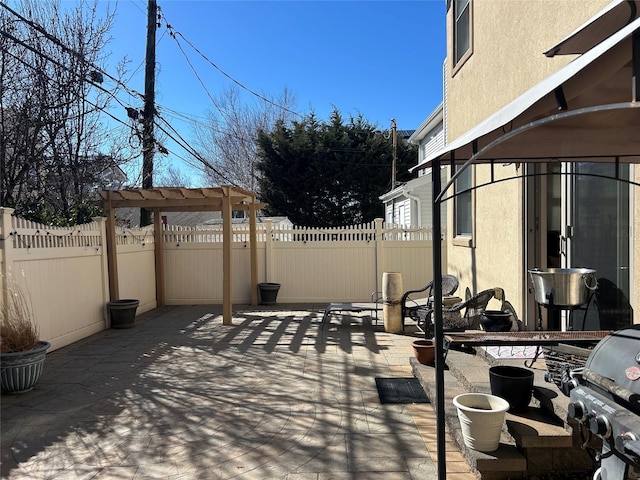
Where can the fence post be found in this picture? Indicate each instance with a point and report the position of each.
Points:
(268, 252)
(101, 222)
(379, 246)
(7, 246)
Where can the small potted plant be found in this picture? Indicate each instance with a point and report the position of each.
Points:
(22, 353)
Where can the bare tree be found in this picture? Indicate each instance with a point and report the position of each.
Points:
(55, 151)
(229, 143)
(172, 176)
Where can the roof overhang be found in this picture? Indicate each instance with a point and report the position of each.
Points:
(598, 28)
(583, 111)
(433, 121)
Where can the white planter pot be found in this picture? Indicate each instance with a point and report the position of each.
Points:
(481, 418)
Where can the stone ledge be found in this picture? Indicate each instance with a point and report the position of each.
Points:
(505, 462)
(535, 441)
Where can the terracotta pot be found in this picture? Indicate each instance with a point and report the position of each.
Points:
(425, 351)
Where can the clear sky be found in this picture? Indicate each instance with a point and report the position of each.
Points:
(381, 59)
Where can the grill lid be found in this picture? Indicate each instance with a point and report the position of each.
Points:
(614, 364)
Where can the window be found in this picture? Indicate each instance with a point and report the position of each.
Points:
(461, 30)
(463, 209)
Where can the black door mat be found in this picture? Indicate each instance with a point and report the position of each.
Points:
(401, 390)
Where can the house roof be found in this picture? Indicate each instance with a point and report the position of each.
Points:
(598, 120)
(431, 122)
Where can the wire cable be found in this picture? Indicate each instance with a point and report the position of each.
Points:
(64, 67)
(99, 108)
(189, 149)
(173, 33)
(68, 49)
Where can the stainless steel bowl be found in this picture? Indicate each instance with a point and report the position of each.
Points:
(566, 287)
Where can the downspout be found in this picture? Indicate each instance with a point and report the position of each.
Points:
(407, 194)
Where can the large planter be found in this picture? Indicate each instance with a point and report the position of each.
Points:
(425, 351)
(122, 313)
(268, 293)
(481, 418)
(22, 370)
(514, 384)
(392, 291)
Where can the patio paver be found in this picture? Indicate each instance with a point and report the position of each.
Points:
(181, 396)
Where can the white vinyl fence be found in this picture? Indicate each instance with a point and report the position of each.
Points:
(64, 270)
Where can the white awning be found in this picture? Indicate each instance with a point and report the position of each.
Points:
(598, 28)
(587, 126)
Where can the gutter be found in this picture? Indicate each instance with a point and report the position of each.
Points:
(407, 194)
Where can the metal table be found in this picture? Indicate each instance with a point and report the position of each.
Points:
(536, 338)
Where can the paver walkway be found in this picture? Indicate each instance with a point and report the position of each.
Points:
(181, 396)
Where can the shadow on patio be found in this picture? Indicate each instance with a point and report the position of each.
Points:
(183, 396)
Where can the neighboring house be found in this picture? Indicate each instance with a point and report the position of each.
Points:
(525, 105)
(409, 204)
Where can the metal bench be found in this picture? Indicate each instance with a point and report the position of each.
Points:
(372, 307)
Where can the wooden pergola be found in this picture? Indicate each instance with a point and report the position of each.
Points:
(223, 199)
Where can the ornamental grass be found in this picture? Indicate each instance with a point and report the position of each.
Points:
(18, 331)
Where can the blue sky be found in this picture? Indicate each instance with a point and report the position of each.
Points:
(382, 59)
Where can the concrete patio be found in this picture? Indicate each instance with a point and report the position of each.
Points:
(181, 396)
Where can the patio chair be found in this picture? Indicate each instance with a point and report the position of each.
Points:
(418, 310)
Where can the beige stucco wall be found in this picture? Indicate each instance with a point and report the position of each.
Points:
(501, 67)
(495, 257)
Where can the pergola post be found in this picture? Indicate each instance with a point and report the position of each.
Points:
(112, 259)
(253, 245)
(227, 239)
(158, 253)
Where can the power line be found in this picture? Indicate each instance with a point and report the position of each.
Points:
(173, 33)
(189, 149)
(68, 49)
(98, 107)
(64, 67)
(184, 117)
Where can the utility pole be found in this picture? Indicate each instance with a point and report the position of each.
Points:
(394, 142)
(148, 142)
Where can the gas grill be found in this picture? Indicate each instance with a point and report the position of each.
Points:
(605, 401)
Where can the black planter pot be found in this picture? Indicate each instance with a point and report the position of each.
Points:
(267, 293)
(496, 321)
(514, 384)
(122, 313)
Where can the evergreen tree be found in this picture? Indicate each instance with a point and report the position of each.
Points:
(328, 173)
